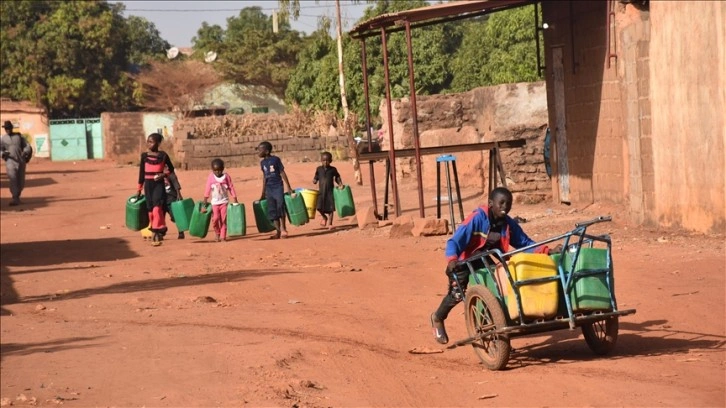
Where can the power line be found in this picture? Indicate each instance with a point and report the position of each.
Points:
(219, 10)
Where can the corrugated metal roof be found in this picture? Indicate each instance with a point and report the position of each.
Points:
(451, 9)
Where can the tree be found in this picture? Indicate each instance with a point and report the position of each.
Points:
(454, 56)
(432, 48)
(144, 42)
(496, 50)
(348, 126)
(313, 82)
(69, 57)
(175, 85)
(208, 38)
(252, 54)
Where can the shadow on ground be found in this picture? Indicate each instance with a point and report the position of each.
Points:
(51, 346)
(50, 253)
(649, 338)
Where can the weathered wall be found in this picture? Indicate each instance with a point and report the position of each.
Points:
(688, 95)
(193, 142)
(648, 130)
(194, 152)
(30, 120)
(592, 101)
(633, 61)
(246, 97)
(123, 136)
(486, 114)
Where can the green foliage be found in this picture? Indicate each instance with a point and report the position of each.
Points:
(450, 57)
(251, 54)
(314, 83)
(72, 57)
(144, 42)
(497, 50)
(208, 38)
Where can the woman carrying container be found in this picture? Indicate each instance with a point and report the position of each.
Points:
(152, 180)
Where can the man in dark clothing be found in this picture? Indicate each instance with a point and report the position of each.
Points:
(16, 152)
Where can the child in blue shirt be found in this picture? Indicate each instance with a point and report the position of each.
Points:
(272, 188)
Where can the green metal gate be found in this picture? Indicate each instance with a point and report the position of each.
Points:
(76, 139)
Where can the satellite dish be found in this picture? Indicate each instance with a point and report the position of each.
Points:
(172, 52)
(210, 56)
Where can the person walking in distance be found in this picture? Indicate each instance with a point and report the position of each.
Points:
(16, 152)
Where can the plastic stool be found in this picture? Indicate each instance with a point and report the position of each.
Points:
(446, 159)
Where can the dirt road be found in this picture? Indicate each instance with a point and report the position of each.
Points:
(92, 315)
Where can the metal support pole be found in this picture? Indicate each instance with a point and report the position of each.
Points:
(438, 189)
(414, 112)
(458, 191)
(385, 195)
(451, 198)
(389, 114)
(368, 124)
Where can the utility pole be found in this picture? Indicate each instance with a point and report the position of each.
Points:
(348, 127)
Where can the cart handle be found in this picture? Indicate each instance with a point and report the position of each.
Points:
(602, 218)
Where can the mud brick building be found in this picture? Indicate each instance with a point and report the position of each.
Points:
(636, 93)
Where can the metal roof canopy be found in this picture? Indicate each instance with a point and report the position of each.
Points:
(441, 13)
(402, 20)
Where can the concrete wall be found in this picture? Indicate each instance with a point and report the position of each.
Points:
(688, 95)
(487, 114)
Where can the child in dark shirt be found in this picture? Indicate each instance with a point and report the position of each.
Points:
(327, 176)
(272, 188)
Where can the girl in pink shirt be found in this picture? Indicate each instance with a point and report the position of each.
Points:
(220, 188)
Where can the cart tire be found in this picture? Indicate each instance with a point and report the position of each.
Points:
(483, 309)
(602, 335)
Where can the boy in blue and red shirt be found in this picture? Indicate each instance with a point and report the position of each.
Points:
(488, 227)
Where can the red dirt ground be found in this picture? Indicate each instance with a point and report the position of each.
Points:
(92, 315)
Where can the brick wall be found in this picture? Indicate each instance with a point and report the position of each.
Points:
(647, 131)
(193, 153)
(123, 135)
(593, 105)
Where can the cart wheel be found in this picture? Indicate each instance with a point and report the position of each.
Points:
(601, 335)
(484, 313)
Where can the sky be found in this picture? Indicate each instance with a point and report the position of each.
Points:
(178, 21)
